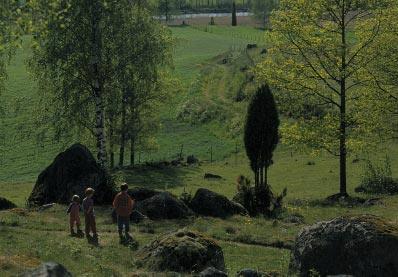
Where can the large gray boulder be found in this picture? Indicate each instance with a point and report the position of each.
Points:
(71, 172)
(365, 246)
(209, 203)
(163, 206)
(182, 251)
(49, 269)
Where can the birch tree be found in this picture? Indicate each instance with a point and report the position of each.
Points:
(100, 65)
(72, 58)
(142, 73)
(320, 51)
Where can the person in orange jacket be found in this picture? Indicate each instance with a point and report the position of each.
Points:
(123, 205)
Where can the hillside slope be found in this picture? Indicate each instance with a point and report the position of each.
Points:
(24, 153)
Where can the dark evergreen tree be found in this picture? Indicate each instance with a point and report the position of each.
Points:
(234, 19)
(261, 133)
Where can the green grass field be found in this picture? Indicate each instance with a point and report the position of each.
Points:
(23, 156)
(28, 237)
(35, 236)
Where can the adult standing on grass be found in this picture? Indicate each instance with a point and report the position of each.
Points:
(123, 205)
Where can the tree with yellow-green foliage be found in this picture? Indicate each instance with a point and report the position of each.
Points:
(320, 52)
(385, 71)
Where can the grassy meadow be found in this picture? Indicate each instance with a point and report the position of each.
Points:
(28, 237)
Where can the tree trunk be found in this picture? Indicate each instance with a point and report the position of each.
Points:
(111, 145)
(100, 128)
(132, 151)
(343, 150)
(123, 133)
(97, 85)
(234, 19)
(265, 20)
(257, 177)
(343, 124)
(265, 176)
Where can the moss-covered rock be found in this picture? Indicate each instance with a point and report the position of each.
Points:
(358, 245)
(182, 251)
(163, 206)
(209, 203)
(6, 204)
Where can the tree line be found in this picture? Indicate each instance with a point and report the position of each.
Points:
(260, 8)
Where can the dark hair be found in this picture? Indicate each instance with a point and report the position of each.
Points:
(124, 187)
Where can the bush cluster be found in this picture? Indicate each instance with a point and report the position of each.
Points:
(200, 111)
(260, 199)
(377, 178)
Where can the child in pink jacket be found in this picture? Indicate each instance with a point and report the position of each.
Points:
(74, 217)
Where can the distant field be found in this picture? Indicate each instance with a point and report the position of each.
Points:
(248, 21)
(197, 4)
(199, 43)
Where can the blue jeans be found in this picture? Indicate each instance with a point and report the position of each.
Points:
(123, 221)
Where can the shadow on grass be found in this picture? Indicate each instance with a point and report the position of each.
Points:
(156, 178)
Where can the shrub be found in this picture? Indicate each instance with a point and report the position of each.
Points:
(230, 230)
(259, 199)
(200, 111)
(186, 197)
(377, 178)
(245, 194)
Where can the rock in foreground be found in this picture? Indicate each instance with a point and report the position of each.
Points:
(6, 204)
(71, 173)
(209, 203)
(361, 246)
(163, 206)
(182, 251)
(49, 269)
